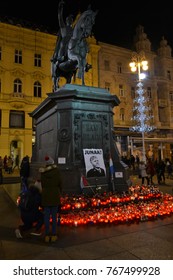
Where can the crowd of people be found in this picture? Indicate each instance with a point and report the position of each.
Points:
(45, 193)
(7, 165)
(162, 169)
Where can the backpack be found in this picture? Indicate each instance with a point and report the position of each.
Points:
(26, 201)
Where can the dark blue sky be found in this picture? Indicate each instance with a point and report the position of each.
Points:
(116, 21)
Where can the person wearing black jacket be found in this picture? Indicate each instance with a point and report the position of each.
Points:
(24, 172)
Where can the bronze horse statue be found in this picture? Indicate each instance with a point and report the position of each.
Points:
(73, 63)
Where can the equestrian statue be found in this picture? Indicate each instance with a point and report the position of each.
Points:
(69, 58)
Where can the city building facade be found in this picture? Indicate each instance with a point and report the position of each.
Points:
(25, 81)
(115, 74)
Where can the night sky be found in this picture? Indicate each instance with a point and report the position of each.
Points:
(116, 21)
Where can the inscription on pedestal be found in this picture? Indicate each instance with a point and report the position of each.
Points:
(92, 134)
(91, 130)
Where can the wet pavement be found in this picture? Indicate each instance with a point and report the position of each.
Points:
(149, 240)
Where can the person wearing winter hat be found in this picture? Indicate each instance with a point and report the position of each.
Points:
(51, 183)
(49, 160)
(24, 172)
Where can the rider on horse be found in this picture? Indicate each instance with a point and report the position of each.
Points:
(71, 46)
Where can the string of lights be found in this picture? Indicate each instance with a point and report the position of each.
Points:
(141, 109)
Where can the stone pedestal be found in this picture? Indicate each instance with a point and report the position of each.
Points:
(70, 120)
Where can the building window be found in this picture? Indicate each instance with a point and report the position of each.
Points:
(171, 96)
(37, 89)
(106, 65)
(133, 95)
(107, 86)
(169, 75)
(121, 90)
(149, 92)
(162, 115)
(122, 117)
(37, 60)
(17, 86)
(18, 56)
(119, 67)
(17, 119)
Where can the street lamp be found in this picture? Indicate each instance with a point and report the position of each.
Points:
(141, 116)
(138, 63)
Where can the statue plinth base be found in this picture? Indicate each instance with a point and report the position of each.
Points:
(70, 120)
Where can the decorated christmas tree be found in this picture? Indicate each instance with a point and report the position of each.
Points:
(142, 113)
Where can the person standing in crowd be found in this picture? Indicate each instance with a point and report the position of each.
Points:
(137, 160)
(169, 169)
(10, 165)
(150, 169)
(143, 173)
(132, 162)
(5, 163)
(161, 172)
(16, 162)
(24, 172)
(32, 216)
(51, 193)
(156, 166)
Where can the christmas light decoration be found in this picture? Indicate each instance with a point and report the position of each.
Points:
(142, 116)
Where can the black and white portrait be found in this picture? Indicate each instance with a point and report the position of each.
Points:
(94, 162)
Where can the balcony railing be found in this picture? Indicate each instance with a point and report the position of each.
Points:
(17, 95)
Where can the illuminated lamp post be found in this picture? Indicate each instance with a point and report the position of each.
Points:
(141, 116)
